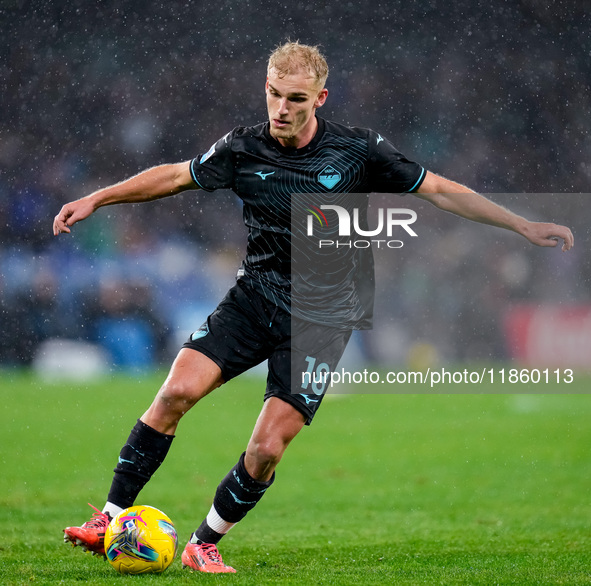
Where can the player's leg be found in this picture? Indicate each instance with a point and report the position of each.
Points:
(283, 416)
(278, 423)
(192, 376)
(245, 484)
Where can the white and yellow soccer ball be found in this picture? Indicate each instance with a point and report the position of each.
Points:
(140, 540)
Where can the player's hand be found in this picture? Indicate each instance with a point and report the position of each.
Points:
(70, 214)
(543, 234)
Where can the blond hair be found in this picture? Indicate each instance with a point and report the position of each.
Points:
(293, 57)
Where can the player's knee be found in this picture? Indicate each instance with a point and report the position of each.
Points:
(267, 451)
(180, 394)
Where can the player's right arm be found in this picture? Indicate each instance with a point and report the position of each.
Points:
(154, 183)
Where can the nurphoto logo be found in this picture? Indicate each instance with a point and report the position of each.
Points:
(388, 219)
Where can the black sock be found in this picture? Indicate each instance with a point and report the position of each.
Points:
(205, 534)
(236, 494)
(140, 457)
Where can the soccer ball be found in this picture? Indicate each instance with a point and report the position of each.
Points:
(140, 540)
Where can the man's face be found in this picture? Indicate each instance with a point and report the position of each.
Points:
(291, 103)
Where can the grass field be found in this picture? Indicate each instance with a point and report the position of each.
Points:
(381, 489)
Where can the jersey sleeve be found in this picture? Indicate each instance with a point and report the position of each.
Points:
(215, 168)
(389, 170)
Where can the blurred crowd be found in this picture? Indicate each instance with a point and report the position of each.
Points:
(494, 95)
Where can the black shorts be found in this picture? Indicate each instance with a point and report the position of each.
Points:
(246, 329)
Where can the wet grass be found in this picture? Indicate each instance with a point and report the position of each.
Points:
(381, 489)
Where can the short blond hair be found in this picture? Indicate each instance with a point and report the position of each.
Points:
(293, 57)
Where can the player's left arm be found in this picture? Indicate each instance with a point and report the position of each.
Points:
(462, 201)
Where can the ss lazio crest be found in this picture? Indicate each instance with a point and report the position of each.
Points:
(329, 177)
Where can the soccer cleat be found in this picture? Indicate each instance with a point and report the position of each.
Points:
(91, 535)
(204, 557)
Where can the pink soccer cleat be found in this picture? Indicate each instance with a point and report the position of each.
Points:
(204, 557)
(91, 535)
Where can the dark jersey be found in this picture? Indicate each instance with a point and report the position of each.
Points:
(281, 187)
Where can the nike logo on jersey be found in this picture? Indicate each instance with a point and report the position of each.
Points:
(380, 139)
(263, 176)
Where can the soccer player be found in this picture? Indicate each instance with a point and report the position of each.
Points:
(294, 151)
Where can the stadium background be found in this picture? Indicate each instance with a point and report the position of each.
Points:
(494, 95)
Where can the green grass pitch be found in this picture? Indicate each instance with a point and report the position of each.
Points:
(381, 489)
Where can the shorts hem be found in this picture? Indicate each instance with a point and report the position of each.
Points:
(309, 415)
(225, 375)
